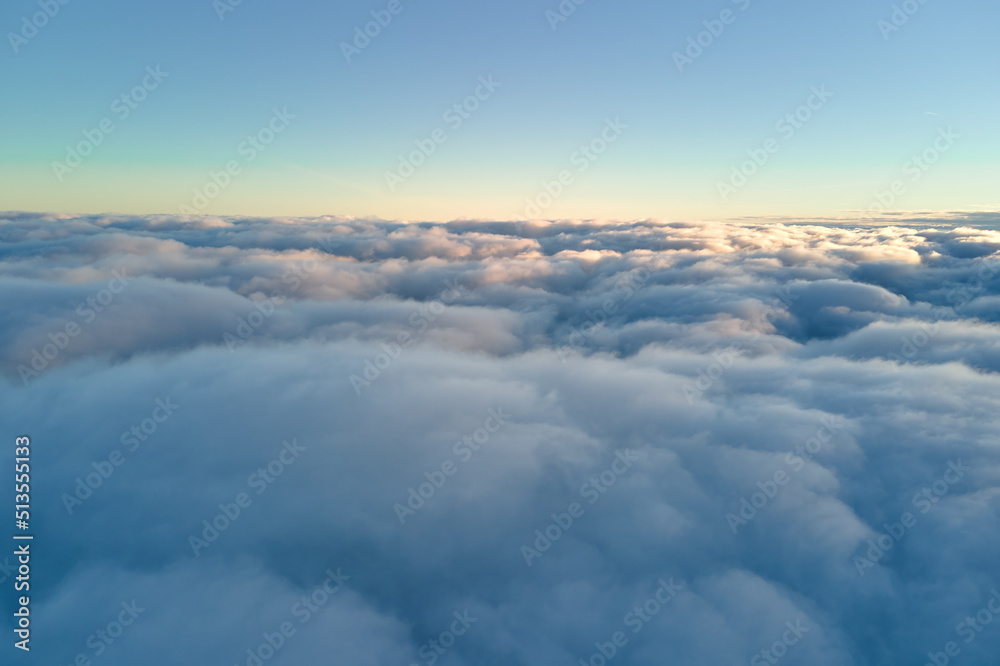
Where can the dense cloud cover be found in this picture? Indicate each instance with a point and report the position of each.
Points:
(495, 443)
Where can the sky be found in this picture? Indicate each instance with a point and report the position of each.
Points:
(350, 108)
(537, 332)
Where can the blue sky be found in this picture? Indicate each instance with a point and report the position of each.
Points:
(686, 129)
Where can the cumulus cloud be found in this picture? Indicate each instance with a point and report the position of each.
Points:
(505, 441)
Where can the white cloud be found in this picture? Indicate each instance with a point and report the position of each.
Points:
(822, 315)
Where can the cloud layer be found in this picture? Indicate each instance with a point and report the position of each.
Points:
(489, 443)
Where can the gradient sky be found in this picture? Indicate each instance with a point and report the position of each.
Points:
(609, 59)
